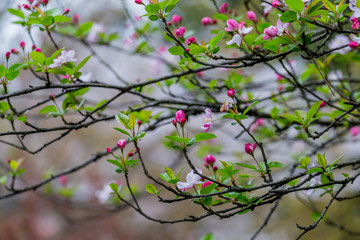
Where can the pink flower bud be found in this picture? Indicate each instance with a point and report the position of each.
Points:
(187, 50)
(108, 150)
(26, 6)
(232, 25)
(323, 104)
(174, 122)
(7, 55)
(252, 16)
(169, 23)
(179, 115)
(190, 40)
(207, 183)
(44, 2)
(275, 4)
(214, 21)
(249, 149)
(66, 11)
(354, 131)
(33, 47)
(63, 180)
(75, 19)
(176, 19)
(51, 96)
(31, 1)
(279, 77)
(22, 44)
(182, 121)
(270, 32)
(130, 154)
(9, 160)
(206, 21)
(139, 122)
(355, 25)
(121, 143)
(354, 19)
(231, 93)
(210, 159)
(223, 8)
(215, 168)
(37, 49)
(14, 51)
(179, 33)
(353, 45)
(138, 2)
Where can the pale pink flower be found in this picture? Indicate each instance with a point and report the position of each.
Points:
(354, 8)
(232, 25)
(65, 57)
(104, 195)
(96, 29)
(338, 41)
(176, 19)
(282, 27)
(207, 120)
(206, 21)
(192, 179)
(270, 32)
(267, 8)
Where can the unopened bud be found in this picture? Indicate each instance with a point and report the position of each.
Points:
(37, 50)
(131, 154)
(7, 55)
(66, 11)
(22, 44)
(139, 122)
(51, 96)
(109, 150)
(14, 51)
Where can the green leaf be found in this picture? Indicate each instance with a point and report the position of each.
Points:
(3, 179)
(321, 160)
(204, 136)
(291, 117)
(246, 165)
(233, 116)
(122, 131)
(84, 28)
(37, 57)
(296, 5)
(4, 106)
(12, 75)
(114, 187)
(132, 121)
(115, 162)
(215, 40)
(288, 16)
(48, 21)
(249, 107)
(329, 5)
(208, 189)
(61, 19)
(208, 236)
(314, 169)
(191, 142)
(304, 161)
(170, 172)
(276, 165)
(334, 162)
(178, 139)
(176, 50)
(152, 8)
(16, 12)
(3, 70)
(82, 63)
(151, 189)
(311, 113)
(123, 119)
(48, 109)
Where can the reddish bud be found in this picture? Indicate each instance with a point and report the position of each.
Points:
(14, 51)
(190, 40)
(51, 96)
(207, 183)
(66, 11)
(174, 122)
(121, 143)
(179, 116)
(22, 44)
(187, 50)
(176, 19)
(215, 168)
(138, 2)
(223, 8)
(108, 150)
(249, 149)
(252, 16)
(214, 21)
(231, 93)
(75, 19)
(139, 122)
(353, 45)
(9, 160)
(323, 104)
(26, 6)
(130, 154)
(275, 4)
(33, 47)
(37, 50)
(169, 23)
(210, 159)
(206, 21)
(7, 55)
(63, 180)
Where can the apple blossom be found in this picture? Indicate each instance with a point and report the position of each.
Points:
(275, 4)
(232, 25)
(249, 149)
(231, 93)
(104, 195)
(192, 179)
(252, 16)
(176, 19)
(353, 45)
(223, 8)
(353, 7)
(270, 32)
(65, 57)
(207, 119)
(267, 7)
(121, 143)
(179, 116)
(190, 40)
(206, 21)
(179, 33)
(339, 41)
